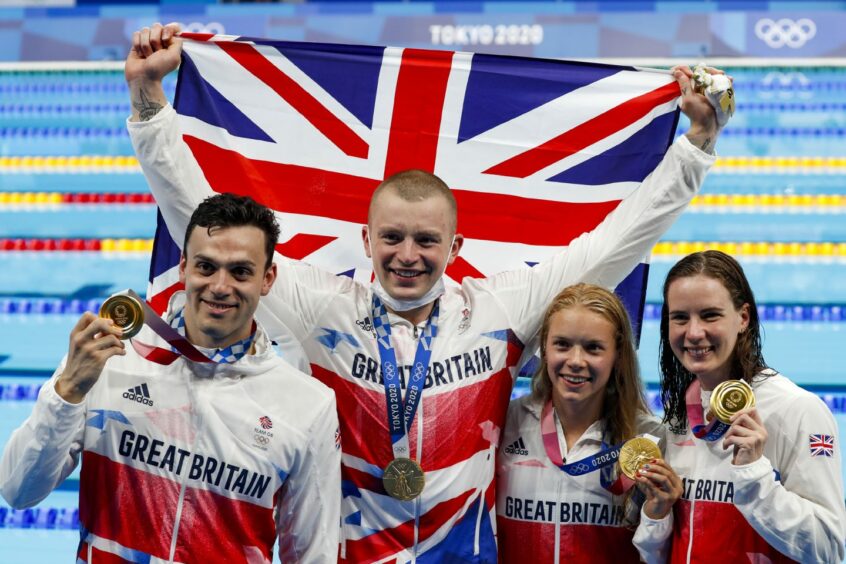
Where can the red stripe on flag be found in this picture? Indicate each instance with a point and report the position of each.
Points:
(285, 188)
(303, 244)
(311, 109)
(196, 36)
(584, 135)
(418, 108)
(461, 269)
(502, 217)
(310, 191)
(160, 300)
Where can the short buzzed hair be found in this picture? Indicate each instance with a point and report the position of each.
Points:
(413, 186)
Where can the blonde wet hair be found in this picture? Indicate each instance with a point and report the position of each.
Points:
(624, 398)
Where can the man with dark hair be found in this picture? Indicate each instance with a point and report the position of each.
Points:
(231, 210)
(423, 373)
(210, 455)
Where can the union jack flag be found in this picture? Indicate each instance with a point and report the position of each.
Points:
(822, 445)
(536, 151)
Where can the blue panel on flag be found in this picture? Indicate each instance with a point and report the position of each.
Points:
(166, 253)
(630, 161)
(632, 292)
(501, 88)
(205, 103)
(349, 73)
(459, 546)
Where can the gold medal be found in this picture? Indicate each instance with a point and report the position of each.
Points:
(730, 397)
(727, 102)
(403, 479)
(126, 312)
(635, 453)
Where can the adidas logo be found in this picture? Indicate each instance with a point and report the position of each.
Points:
(140, 394)
(517, 447)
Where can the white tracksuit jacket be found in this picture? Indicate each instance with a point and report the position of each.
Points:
(546, 515)
(787, 505)
(189, 462)
(485, 326)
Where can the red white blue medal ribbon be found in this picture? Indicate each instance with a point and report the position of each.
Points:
(696, 415)
(180, 345)
(401, 413)
(604, 460)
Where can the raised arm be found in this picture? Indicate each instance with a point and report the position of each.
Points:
(606, 255)
(166, 161)
(179, 186)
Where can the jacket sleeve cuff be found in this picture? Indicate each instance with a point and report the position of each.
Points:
(748, 477)
(753, 471)
(165, 113)
(692, 152)
(658, 528)
(55, 417)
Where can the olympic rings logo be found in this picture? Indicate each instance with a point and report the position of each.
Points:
(785, 31)
(786, 85)
(215, 28)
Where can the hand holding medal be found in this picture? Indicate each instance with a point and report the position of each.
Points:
(93, 341)
(661, 485)
(717, 88)
(733, 402)
(127, 313)
(731, 397)
(635, 453)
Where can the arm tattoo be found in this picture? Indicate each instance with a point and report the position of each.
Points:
(147, 108)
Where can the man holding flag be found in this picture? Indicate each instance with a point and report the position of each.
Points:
(422, 372)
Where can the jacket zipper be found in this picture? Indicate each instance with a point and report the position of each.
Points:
(183, 485)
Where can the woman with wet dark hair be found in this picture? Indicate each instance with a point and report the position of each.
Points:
(757, 454)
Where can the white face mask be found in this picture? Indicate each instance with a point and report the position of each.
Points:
(435, 292)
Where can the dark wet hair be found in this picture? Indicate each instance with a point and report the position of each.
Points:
(230, 210)
(747, 359)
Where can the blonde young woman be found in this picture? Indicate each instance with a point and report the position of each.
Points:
(560, 496)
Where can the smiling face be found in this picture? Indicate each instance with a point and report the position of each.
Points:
(580, 354)
(704, 326)
(224, 273)
(410, 242)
